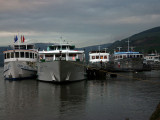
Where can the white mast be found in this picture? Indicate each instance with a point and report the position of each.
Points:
(128, 44)
(99, 51)
(105, 49)
(18, 40)
(60, 42)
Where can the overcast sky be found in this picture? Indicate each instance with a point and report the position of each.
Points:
(80, 22)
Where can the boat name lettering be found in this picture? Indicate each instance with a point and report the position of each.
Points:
(21, 66)
(24, 67)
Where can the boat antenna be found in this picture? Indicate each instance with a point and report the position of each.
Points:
(99, 51)
(60, 42)
(119, 48)
(105, 49)
(156, 52)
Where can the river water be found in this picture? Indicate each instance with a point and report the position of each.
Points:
(133, 95)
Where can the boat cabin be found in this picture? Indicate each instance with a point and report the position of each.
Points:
(152, 58)
(98, 56)
(23, 47)
(61, 52)
(21, 53)
(60, 47)
(123, 55)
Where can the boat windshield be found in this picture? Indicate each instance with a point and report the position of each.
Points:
(61, 47)
(24, 47)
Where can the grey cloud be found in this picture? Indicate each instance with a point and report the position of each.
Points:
(87, 18)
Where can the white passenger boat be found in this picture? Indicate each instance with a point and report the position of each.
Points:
(61, 63)
(20, 61)
(98, 58)
(152, 58)
(128, 61)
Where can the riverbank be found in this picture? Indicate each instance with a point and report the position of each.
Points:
(156, 113)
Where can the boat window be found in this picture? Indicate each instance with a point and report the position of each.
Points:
(137, 56)
(35, 55)
(120, 56)
(93, 57)
(22, 54)
(16, 47)
(63, 55)
(101, 57)
(48, 55)
(8, 55)
(5, 56)
(97, 57)
(31, 55)
(51, 48)
(124, 56)
(63, 47)
(12, 55)
(22, 47)
(60, 56)
(27, 54)
(72, 47)
(29, 47)
(57, 55)
(17, 54)
(105, 57)
(71, 55)
(141, 56)
(59, 47)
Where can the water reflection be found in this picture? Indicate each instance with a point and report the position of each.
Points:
(134, 97)
(19, 96)
(63, 100)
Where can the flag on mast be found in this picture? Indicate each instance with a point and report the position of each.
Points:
(23, 38)
(15, 38)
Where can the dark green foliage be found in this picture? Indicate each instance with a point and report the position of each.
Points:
(146, 41)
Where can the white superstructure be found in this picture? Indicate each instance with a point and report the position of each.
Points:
(98, 56)
(61, 63)
(124, 55)
(20, 61)
(128, 61)
(152, 58)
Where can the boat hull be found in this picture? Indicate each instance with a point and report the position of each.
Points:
(60, 71)
(129, 64)
(15, 70)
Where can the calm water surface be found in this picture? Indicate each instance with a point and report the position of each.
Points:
(111, 99)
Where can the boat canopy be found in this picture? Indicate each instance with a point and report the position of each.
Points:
(60, 47)
(127, 53)
(23, 46)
